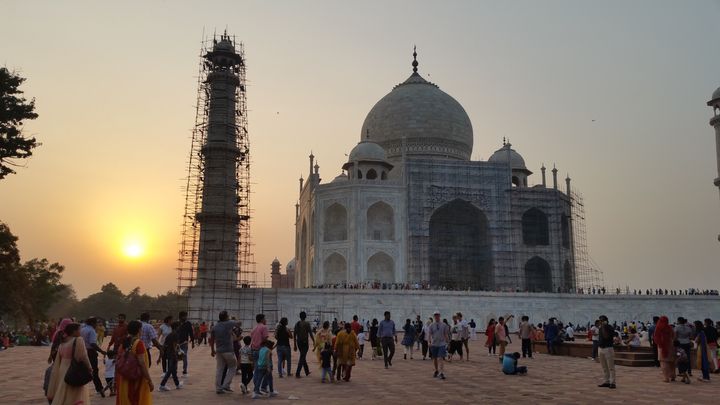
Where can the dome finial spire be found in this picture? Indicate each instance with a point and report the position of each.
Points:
(415, 62)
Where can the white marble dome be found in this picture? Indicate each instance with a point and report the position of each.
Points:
(367, 151)
(716, 94)
(423, 118)
(501, 156)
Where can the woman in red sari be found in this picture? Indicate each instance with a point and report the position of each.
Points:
(490, 341)
(134, 392)
(663, 338)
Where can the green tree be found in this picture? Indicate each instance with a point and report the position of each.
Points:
(14, 110)
(10, 280)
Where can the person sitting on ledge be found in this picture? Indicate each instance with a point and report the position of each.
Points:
(510, 367)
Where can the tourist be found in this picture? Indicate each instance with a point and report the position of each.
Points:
(594, 330)
(711, 334)
(263, 371)
(149, 336)
(303, 333)
(324, 335)
(89, 336)
(570, 333)
(552, 332)
(439, 337)
(455, 345)
(510, 367)
(170, 357)
(185, 334)
(221, 348)
(346, 347)
(109, 363)
(119, 334)
(525, 333)
(682, 361)
(388, 338)
(361, 343)
(606, 352)
(490, 337)
(59, 392)
(419, 325)
(374, 340)
(165, 329)
(651, 333)
(704, 361)
(134, 391)
(355, 325)
(408, 340)
(100, 331)
(246, 364)
(684, 335)
(203, 331)
(57, 338)
(633, 338)
(473, 329)
(259, 335)
(464, 335)
(282, 338)
(501, 337)
(424, 336)
(326, 363)
(664, 338)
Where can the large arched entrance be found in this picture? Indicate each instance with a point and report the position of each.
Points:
(381, 268)
(335, 269)
(460, 255)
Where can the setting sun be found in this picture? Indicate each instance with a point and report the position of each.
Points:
(133, 250)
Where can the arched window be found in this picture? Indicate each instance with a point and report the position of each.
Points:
(312, 229)
(383, 175)
(359, 174)
(460, 255)
(335, 223)
(380, 222)
(515, 181)
(538, 276)
(303, 255)
(569, 276)
(335, 269)
(565, 230)
(381, 268)
(535, 228)
(371, 174)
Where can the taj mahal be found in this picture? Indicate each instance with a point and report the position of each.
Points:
(411, 206)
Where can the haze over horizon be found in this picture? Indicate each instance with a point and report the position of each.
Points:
(613, 93)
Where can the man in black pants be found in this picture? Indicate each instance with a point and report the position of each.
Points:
(302, 331)
(651, 334)
(87, 332)
(388, 338)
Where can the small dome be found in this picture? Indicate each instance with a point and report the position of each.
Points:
(502, 155)
(291, 265)
(340, 178)
(367, 150)
(716, 94)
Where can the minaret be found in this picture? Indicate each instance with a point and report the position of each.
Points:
(567, 185)
(554, 172)
(715, 123)
(542, 169)
(219, 217)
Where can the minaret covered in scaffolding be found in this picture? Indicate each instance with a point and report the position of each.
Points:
(215, 257)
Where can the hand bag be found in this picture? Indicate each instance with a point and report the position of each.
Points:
(78, 374)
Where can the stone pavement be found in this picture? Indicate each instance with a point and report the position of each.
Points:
(551, 379)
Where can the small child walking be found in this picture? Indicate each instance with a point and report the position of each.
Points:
(110, 372)
(326, 356)
(263, 372)
(246, 364)
(682, 361)
(361, 342)
(170, 356)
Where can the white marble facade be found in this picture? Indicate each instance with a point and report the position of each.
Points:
(411, 206)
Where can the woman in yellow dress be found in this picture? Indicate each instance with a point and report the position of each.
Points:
(323, 336)
(59, 392)
(134, 392)
(346, 347)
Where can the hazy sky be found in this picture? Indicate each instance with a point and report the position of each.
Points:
(115, 84)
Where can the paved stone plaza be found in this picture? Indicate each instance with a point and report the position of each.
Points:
(557, 380)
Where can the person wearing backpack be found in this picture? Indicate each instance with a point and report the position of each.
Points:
(133, 383)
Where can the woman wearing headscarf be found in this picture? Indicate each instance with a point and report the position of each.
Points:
(663, 338)
(704, 362)
(346, 346)
(72, 347)
(57, 338)
(323, 336)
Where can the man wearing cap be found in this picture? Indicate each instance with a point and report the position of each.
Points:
(439, 336)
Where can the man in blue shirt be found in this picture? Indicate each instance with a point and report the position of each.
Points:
(551, 334)
(388, 338)
(89, 335)
(509, 364)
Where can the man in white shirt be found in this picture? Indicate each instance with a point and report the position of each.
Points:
(438, 338)
(570, 332)
(464, 335)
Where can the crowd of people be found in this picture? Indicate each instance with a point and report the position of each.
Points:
(256, 357)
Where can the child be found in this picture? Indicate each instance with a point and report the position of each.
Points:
(361, 342)
(683, 364)
(246, 364)
(326, 355)
(263, 371)
(509, 364)
(170, 353)
(110, 372)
